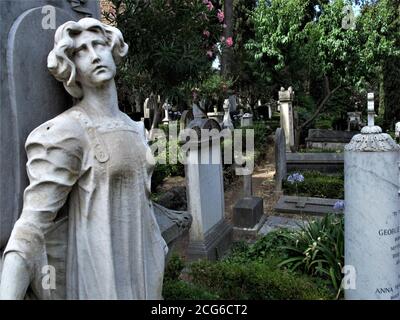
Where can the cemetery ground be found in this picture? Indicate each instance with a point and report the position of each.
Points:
(294, 256)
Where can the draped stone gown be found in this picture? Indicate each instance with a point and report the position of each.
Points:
(108, 245)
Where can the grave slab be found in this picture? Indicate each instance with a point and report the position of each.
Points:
(305, 205)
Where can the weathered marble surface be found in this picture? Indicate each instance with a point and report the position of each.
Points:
(372, 214)
(210, 234)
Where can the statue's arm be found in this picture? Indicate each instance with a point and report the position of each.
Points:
(15, 277)
(54, 161)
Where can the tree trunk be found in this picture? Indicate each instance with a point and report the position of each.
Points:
(227, 52)
(328, 94)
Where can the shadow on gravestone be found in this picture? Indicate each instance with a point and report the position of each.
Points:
(29, 94)
(280, 158)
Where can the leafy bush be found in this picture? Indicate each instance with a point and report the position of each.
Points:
(317, 184)
(254, 280)
(317, 249)
(266, 248)
(175, 289)
(167, 169)
(181, 290)
(261, 133)
(174, 267)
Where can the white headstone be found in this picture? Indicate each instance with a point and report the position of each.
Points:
(209, 234)
(372, 215)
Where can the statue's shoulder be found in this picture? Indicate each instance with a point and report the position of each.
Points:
(137, 125)
(64, 127)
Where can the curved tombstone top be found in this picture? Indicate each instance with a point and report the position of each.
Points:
(29, 93)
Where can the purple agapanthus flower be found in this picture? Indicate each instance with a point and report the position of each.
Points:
(295, 177)
(339, 205)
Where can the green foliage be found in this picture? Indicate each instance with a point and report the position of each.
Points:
(181, 290)
(317, 249)
(265, 249)
(174, 267)
(254, 280)
(317, 184)
(261, 133)
(165, 167)
(215, 88)
(167, 47)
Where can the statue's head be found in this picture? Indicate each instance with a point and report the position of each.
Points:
(85, 54)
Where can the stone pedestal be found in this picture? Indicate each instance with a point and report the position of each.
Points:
(286, 109)
(210, 234)
(248, 217)
(247, 212)
(372, 216)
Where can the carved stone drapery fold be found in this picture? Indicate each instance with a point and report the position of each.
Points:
(79, 6)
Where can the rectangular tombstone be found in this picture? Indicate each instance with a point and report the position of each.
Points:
(210, 234)
(247, 212)
(29, 93)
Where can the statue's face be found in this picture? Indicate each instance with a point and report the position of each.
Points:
(93, 59)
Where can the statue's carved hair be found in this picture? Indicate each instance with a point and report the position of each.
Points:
(59, 60)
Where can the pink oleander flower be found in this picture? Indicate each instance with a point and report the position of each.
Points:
(229, 41)
(220, 15)
(206, 1)
(210, 6)
(209, 53)
(206, 33)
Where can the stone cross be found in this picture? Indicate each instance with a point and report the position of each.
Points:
(287, 123)
(371, 109)
(166, 106)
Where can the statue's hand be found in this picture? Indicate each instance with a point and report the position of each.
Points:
(15, 277)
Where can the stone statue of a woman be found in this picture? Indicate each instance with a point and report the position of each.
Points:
(95, 160)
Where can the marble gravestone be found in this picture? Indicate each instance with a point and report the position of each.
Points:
(210, 233)
(29, 94)
(372, 214)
